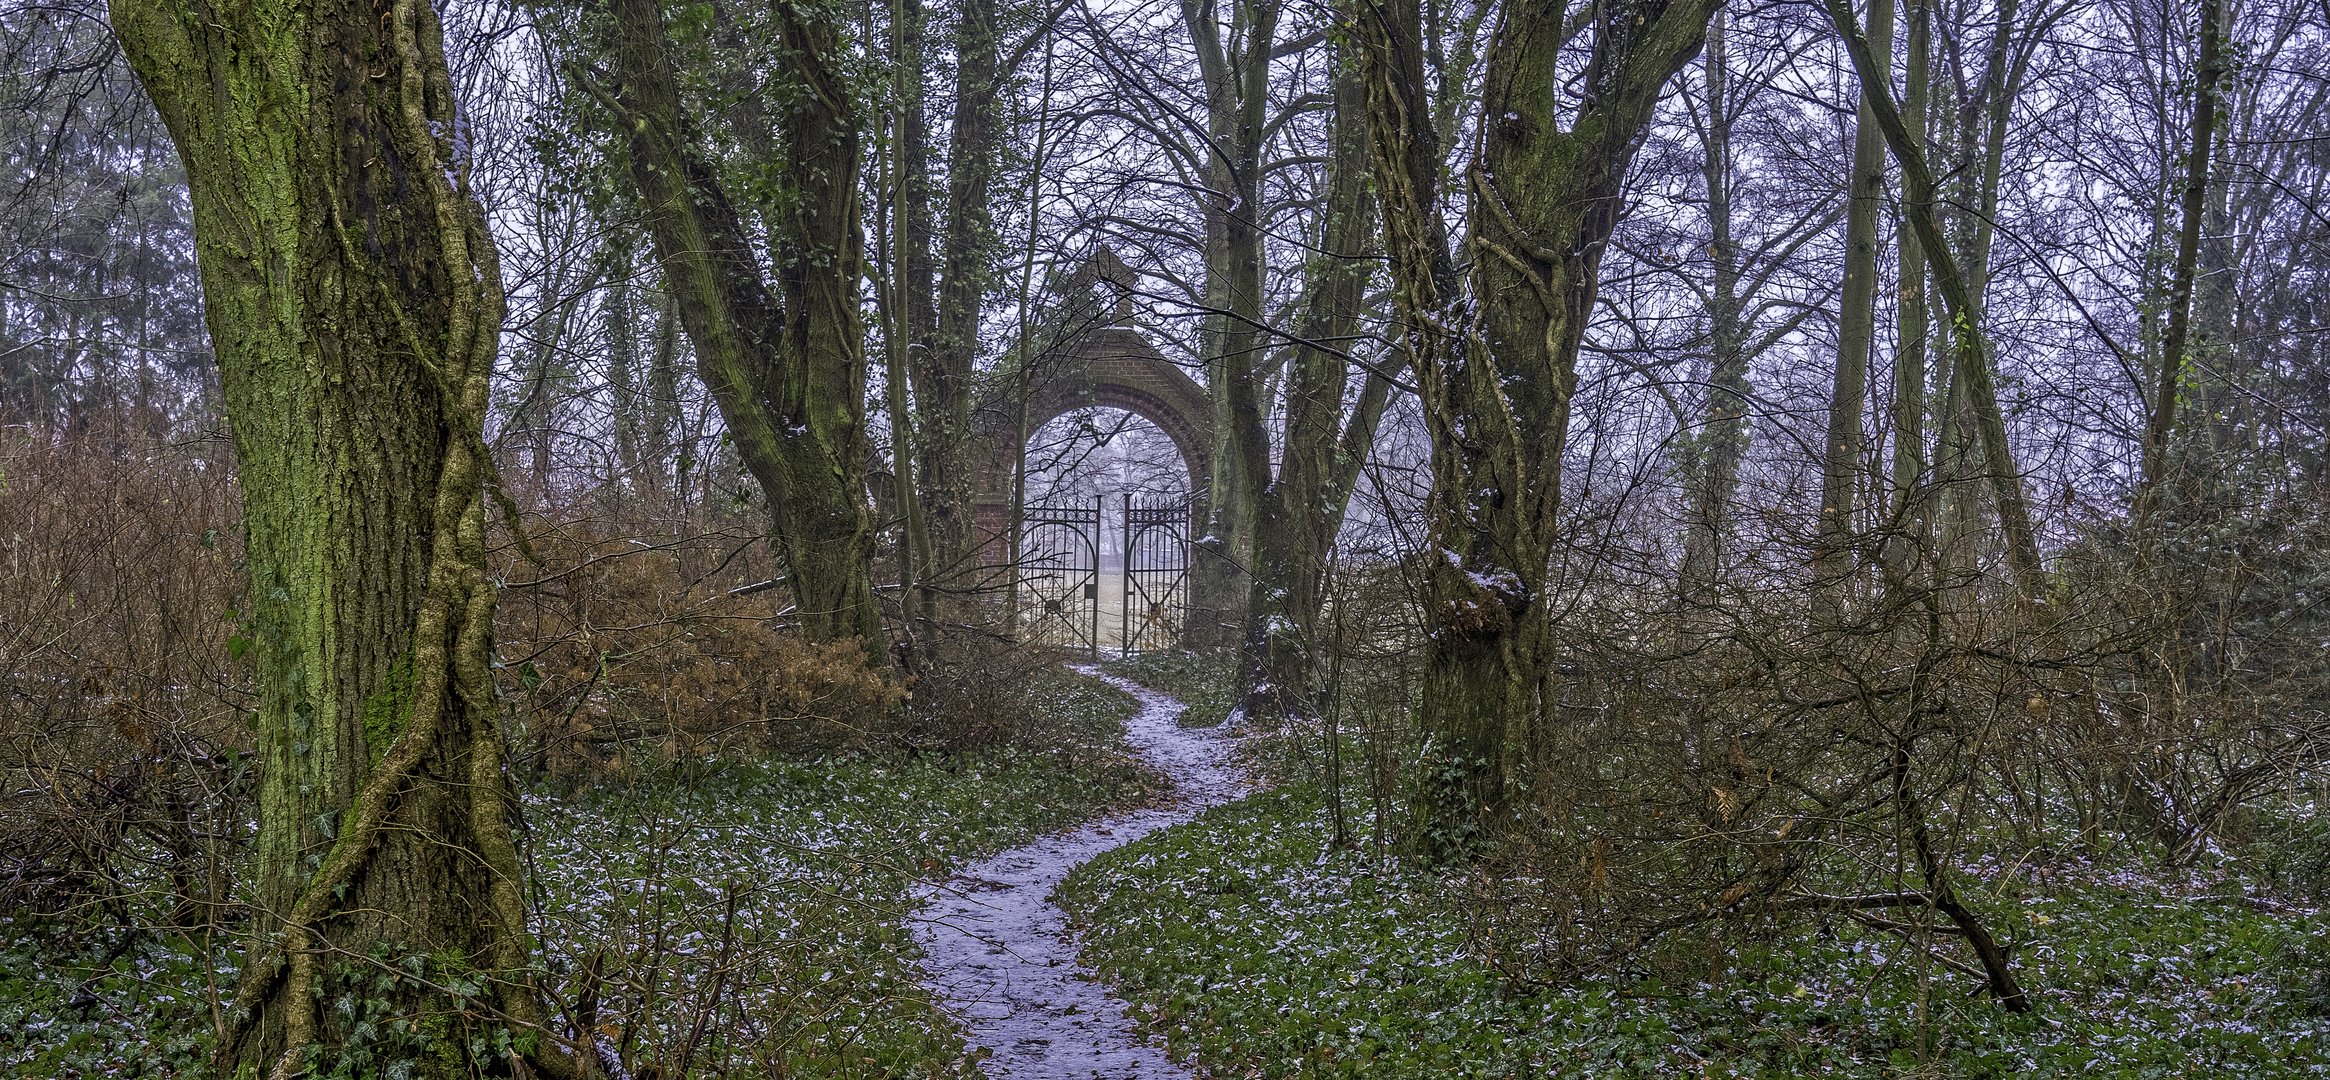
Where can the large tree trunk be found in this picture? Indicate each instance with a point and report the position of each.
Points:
(944, 388)
(354, 301)
(1495, 371)
(1907, 513)
(784, 360)
(908, 311)
(1236, 72)
(1302, 507)
(906, 307)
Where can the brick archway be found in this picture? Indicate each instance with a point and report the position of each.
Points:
(1115, 367)
(1109, 367)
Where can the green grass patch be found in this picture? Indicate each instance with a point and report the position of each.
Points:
(1243, 940)
(1205, 680)
(817, 858)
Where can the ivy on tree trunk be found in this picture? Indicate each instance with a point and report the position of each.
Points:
(355, 304)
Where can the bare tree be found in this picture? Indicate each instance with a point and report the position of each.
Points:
(1495, 362)
(785, 360)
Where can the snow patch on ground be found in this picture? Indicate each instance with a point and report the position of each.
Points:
(999, 953)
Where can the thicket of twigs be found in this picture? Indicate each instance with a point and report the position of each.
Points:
(122, 742)
(632, 631)
(1770, 755)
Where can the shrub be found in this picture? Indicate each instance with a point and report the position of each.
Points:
(615, 645)
(121, 704)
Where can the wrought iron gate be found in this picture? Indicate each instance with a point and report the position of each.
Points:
(1155, 573)
(1059, 575)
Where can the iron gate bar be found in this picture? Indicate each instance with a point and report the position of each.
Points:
(1059, 566)
(1155, 574)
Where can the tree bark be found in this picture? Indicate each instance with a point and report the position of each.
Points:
(1236, 74)
(784, 360)
(1833, 563)
(1971, 376)
(944, 387)
(907, 310)
(1302, 506)
(1495, 366)
(1908, 510)
(355, 304)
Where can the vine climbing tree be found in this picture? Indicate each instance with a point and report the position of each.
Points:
(355, 305)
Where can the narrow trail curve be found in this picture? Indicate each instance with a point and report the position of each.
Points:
(997, 951)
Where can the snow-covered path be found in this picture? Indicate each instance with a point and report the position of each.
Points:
(999, 953)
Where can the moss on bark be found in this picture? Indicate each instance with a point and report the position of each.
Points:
(784, 353)
(354, 302)
(1495, 356)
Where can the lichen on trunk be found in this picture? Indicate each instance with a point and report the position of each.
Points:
(355, 303)
(1495, 356)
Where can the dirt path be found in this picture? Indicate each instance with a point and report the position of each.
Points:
(998, 952)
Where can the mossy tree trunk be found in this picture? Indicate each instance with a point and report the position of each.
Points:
(784, 358)
(944, 388)
(1495, 357)
(1233, 60)
(904, 302)
(933, 301)
(1301, 508)
(354, 301)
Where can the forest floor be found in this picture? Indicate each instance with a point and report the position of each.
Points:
(1000, 953)
(1249, 942)
(749, 918)
(763, 918)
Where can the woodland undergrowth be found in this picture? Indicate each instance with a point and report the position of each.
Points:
(1287, 936)
(723, 822)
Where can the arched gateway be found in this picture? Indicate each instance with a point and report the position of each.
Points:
(1108, 367)
(1066, 588)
